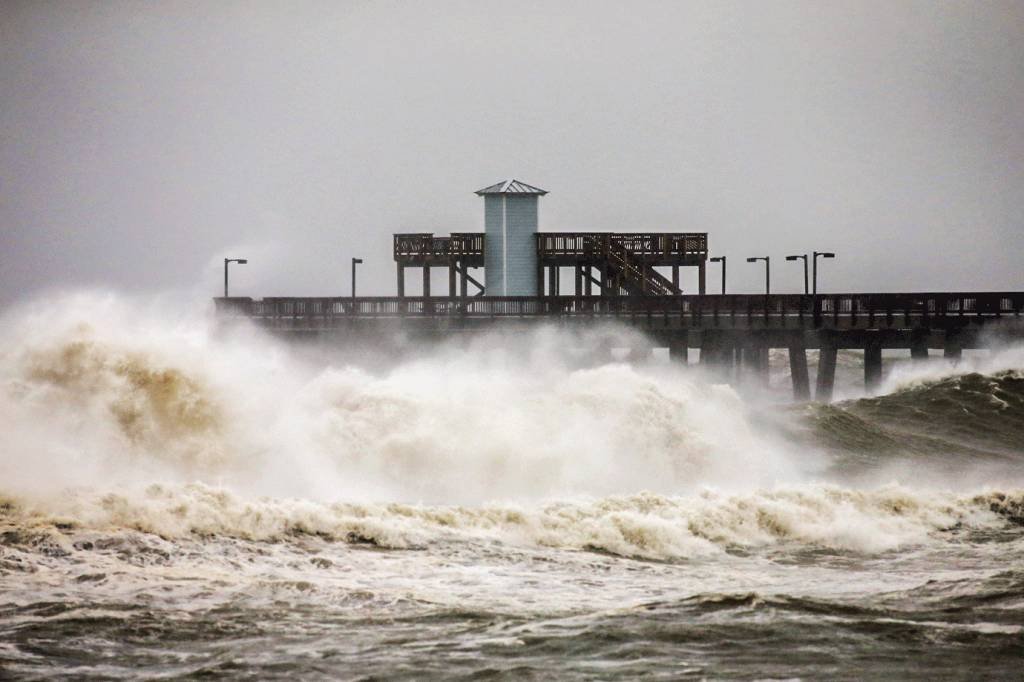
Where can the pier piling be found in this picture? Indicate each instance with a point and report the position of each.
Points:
(798, 369)
(826, 370)
(873, 363)
(728, 329)
(919, 345)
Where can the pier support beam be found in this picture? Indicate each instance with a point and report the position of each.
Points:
(755, 361)
(678, 352)
(452, 291)
(952, 347)
(426, 280)
(826, 370)
(798, 369)
(872, 363)
(710, 351)
(552, 280)
(401, 281)
(717, 354)
(919, 345)
(608, 287)
(701, 278)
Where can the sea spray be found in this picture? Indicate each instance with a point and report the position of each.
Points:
(192, 501)
(121, 398)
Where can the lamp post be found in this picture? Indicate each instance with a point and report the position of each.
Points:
(804, 257)
(721, 259)
(814, 276)
(767, 272)
(355, 262)
(240, 261)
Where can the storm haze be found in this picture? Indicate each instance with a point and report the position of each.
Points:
(140, 143)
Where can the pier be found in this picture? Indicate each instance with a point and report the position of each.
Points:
(616, 279)
(612, 263)
(733, 333)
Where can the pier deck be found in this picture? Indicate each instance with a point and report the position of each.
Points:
(614, 262)
(729, 330)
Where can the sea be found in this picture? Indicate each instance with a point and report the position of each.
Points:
(183, 500)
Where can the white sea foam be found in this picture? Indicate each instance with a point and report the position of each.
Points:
(97, 393)
(1000, 359)
(113, 416)
(644, 525)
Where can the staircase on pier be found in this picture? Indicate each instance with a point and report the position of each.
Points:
(631, 274)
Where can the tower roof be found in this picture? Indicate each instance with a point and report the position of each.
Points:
(511, 187)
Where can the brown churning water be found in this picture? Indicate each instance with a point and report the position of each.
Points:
(175, 503)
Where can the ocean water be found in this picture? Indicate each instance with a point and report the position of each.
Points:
(181, 501)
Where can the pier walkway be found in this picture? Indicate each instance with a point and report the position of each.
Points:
(730, 330)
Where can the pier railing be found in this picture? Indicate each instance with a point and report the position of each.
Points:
(580, 244)
(825, 310)
(586, 244)
(426, 244)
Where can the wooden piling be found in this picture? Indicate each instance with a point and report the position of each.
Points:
(952, 345)
(919, 345)
(826, 370)
(798, 369)
(872, 363)
(678, 352)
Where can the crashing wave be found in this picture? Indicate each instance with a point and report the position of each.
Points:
(643, 525)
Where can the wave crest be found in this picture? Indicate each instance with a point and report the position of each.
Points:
(646, 525)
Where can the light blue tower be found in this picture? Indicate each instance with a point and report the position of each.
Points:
(510, 249)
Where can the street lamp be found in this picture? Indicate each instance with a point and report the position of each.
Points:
(767, 272)
(355, 262)
(804, 257)
(814, 276)
(240, 261)
(721, 259)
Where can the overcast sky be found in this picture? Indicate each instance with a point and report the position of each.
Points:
(141, 142)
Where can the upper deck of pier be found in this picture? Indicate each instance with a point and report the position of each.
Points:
(616, 262)
(419, 249)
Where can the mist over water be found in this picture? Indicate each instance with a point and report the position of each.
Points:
(504, 418)
(503, 494)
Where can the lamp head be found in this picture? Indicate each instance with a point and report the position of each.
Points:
(827, 255)
(794, 257)
(753, 260)
(718, 259)
(357, 260)
(241, 261)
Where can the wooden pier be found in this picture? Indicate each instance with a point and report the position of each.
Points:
(614, 263)
(730, 331)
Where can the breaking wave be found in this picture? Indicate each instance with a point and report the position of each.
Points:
(644, 525)
(93, 394)
(115, 418)
(961, 420)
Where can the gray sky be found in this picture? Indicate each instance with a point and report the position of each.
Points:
(142, 142)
